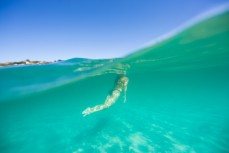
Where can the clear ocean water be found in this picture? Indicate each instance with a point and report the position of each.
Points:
(177, 99)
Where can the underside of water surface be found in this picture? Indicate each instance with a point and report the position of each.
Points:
(177, 99)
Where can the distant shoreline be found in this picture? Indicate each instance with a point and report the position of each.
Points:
(27, 62)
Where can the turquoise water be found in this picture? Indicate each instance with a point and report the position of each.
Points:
(177, 99)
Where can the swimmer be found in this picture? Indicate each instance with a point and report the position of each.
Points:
(111, 99)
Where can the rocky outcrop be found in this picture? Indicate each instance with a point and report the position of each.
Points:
(26, 62)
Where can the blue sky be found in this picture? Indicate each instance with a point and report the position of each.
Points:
(63, 29)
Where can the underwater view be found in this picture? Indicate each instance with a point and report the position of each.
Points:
(176, 99)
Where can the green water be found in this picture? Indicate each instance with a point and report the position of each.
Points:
(177, 99)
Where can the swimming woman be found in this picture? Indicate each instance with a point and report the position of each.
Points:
(111, 99)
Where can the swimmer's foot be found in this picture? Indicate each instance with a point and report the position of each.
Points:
(86, 112)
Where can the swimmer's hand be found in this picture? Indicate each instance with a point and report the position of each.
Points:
(86, 112)
(124, 99)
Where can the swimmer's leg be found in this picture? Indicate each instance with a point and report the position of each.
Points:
(97, 108)
(110, 100)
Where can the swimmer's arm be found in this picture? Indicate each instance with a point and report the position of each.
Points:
(124, 96)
